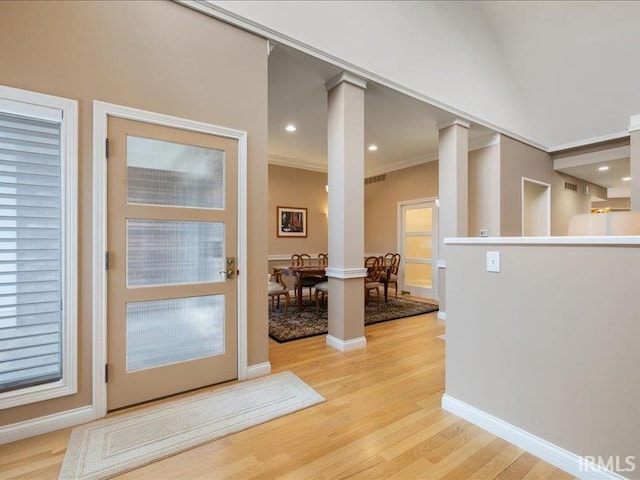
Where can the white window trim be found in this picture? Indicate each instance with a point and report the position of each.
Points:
(36, 104)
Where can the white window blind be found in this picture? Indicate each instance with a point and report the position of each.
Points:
(31, 326)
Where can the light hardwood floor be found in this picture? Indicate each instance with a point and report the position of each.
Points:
(382, 419)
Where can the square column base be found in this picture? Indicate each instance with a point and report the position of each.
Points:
(346, 345)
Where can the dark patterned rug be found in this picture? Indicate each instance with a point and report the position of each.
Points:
(309, 323)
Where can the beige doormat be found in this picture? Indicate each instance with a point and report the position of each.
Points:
(108, 447)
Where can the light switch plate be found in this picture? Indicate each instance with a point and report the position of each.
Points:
(493, 262)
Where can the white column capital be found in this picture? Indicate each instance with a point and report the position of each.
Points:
(634, 123)
(456, 121)
(345, 77)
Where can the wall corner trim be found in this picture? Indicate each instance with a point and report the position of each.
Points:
(442, 315)
(346, 345)
(344, 273)
(547, 451)
(258, 370)
(46, 424)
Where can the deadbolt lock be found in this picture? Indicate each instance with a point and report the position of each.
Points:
(230, 271)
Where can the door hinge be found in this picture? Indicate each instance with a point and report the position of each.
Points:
(106, 260)
(106, 148)
(106, 373)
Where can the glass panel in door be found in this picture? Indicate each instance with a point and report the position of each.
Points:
(417, 270)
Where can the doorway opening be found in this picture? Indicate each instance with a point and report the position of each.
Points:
(536, 208)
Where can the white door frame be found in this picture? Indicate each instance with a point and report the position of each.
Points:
(434, 243)
(547, 199)
(99, 323)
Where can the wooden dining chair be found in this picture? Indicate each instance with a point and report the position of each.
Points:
(372, 282)
(321, 288)
(392, 262)
(277, 288)
(323, 259)
(370, 262)
(309, 281)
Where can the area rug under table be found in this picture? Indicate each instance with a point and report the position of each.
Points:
(308, 323)
(108, 447)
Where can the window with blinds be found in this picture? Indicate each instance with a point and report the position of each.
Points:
(30, 251)
(38, 247)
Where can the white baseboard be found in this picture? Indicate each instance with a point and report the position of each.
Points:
(346, 345)
(258, 370)
(442, 315)
(46, 424)
(547, 451)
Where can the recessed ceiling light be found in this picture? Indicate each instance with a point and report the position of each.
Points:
(372, 148)
(626, 179)
(603, 169)
(290, 128)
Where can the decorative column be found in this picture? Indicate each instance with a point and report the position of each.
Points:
(453, 166)
(634, 187)
(346, 212)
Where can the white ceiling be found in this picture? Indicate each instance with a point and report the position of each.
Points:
(586, 163)
(403, 128)
(611, 178)
(574, 63)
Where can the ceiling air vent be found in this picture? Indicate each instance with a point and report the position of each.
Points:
(376, 179)
(570, 186)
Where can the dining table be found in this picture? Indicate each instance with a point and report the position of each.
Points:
(300, 271)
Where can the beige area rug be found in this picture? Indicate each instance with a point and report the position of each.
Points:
(111, 446)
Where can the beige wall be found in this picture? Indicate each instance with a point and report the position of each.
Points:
(518, 160)
(381, 203)
(294, 187)
(613, 203)
(544, 347)
(156, 56)
(566, 203)
(484, 191)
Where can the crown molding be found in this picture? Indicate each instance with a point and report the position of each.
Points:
(589, 141)
(299, 163)
(484, 142)
(406, 163)
(456, 121)
(292, 162)
(345, 77)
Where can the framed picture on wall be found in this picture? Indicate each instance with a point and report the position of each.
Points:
(292, 222)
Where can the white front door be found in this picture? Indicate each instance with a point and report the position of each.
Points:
(418, 244)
